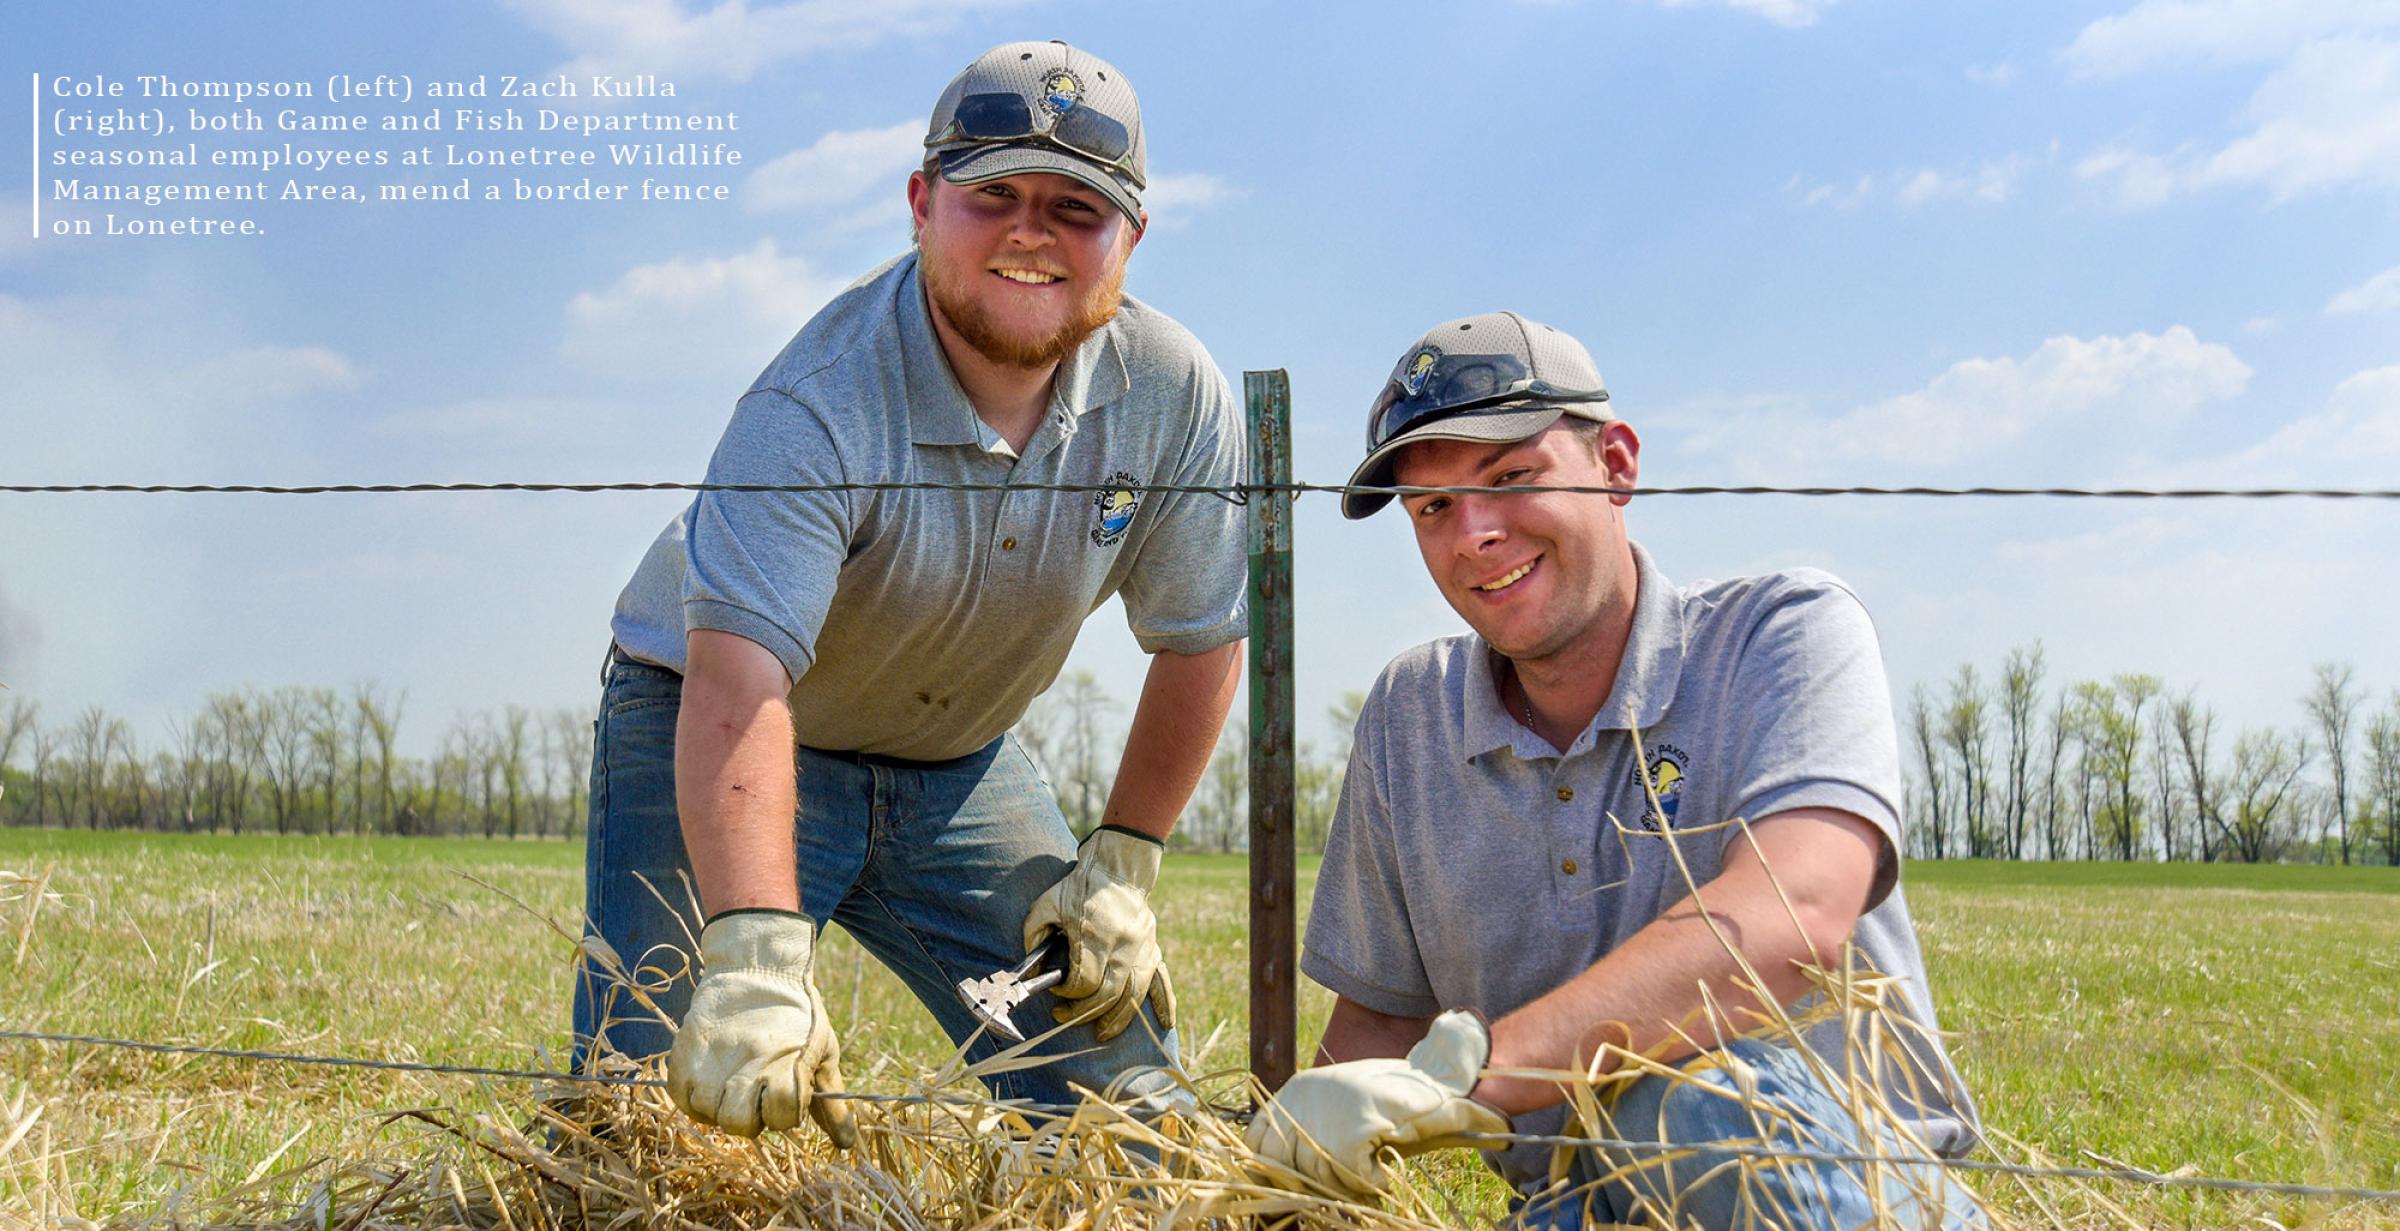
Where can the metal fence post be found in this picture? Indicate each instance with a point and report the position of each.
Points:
(1274, 1004)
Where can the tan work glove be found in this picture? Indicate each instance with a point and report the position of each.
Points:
(756, 1047)
(1331, 1124)
(1102, 907)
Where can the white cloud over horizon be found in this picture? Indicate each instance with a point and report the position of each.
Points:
(1982, 410)
(2326, 115)
(2380, 293)
(695, 316)
(837, 169)
(2217, 32)
(271, 373)
(1989, 181)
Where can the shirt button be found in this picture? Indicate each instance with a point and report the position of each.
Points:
(1009, 543)
(1566, 793)
(1568, 867)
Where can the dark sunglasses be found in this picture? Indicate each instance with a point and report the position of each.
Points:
(1453, 385)
(1007, 119)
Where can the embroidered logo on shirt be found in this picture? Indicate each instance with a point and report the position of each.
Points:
(1668, 765)
(1114, 508)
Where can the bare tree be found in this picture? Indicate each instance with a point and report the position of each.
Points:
(2061, 732)
(1084, 792)
(93, 744)
(16, 725)
(2265, 765)
(2169, 800)
(2113, 714)
(2020, 691)
(283, 727)
(323, 713)
(1967, 732)
(45, 754)
(380, 724)
(2195, 726)
(1935, 840)
(571, 732)
(2383, 774)
(1221, 805)
(508, 746)
(2333, 699)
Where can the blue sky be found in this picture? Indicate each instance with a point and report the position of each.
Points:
(1820, 241)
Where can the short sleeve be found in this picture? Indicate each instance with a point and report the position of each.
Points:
(1188, 590)
(1819, 733)
(763, 565)
(1360, 943)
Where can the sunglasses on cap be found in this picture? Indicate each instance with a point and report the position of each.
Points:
(1007, 119)
(1447, 386)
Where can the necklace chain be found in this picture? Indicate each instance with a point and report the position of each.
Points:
(1524, 698)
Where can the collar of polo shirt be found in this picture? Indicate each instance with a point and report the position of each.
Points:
(1645, 684)
(938, 410)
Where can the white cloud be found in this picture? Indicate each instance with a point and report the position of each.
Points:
(2326, 116)
(1993, 74)
(732, 40)
(714, 318)
(2183, 32)
(1991, 181)
(1832, 196)
(838, 169)
(1170, 198)
(2262, 326)
(2355, 438)
(2380, 293)
(268, 373)
(1996, 413)
(501, 419)
(1788, 13)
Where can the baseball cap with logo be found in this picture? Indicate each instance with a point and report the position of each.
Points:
(1031, 107)
(1495, 377)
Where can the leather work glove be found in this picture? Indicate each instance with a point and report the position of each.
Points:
(1102, 907)
(756, 1047)
(1331, 1124)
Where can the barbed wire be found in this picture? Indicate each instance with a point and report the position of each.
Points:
(1237, 494)
(2128, 1175)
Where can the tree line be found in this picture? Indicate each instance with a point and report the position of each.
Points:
(2127, 768)
(297, 760)
(2004, 768)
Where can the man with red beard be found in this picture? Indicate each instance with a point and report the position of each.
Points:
(807, 704)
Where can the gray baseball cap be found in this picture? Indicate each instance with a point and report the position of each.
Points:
(1030, 107)
(1495, 377)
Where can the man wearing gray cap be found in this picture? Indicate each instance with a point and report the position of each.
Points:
(807, 702)
(1528, 870)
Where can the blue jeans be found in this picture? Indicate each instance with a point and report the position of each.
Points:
(930, 865)
(1723, 1192)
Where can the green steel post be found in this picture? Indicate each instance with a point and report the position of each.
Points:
(1274, 1002)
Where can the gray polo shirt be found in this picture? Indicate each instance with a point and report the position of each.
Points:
(920, 624)
(1470, 865)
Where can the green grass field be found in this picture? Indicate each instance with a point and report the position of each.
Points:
(2240, 1022)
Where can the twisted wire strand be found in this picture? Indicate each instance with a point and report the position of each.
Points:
(1232, 493)
(2122, 1174)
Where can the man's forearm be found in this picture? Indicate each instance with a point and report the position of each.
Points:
(1648, 996)
(1356, 1032)
(1175, 726)
(734, 788)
